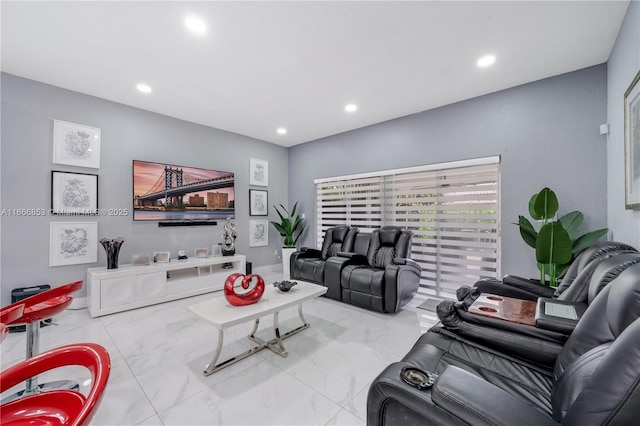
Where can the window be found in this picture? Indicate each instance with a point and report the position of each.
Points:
(452, 210)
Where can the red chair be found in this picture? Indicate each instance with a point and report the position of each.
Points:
(37, 308)
(7, 315)
(56, 407)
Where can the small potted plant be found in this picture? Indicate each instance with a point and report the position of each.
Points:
(290, 227)
(558, 241)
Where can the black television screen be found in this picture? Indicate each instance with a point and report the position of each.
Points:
(169, 192)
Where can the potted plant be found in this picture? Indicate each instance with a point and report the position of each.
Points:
(290, 227)
(558, 241)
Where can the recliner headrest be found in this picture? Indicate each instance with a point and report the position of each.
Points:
(389, 235)
(339, 233)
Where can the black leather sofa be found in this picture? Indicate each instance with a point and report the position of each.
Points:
(544, 341)
(595, 379)
(377, 273)
(308, 264)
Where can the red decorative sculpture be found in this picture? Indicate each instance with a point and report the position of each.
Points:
(251, 296)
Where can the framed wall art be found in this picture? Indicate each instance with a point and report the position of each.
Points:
(258, 172)
(74, 193)
(258, 202)
(632, 144)
(76, 145)
(72, 243)
(258, 233)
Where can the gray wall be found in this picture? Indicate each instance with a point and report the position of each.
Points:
(546, 132)
(622, 66)
(28, 111)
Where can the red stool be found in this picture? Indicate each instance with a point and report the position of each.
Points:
(7, 315)
(36, 308)
(56, 407)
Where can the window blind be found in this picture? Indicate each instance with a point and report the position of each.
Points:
(452, 210)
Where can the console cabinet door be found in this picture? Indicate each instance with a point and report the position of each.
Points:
(151, 286)
(117, 291)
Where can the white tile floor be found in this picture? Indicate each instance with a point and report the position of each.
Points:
(158, 354)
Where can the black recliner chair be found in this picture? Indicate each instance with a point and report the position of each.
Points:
(308, 264)
(544, 341)
(386, 279)
(595, 379)
(529, 289)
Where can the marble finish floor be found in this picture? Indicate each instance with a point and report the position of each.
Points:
(158, 354)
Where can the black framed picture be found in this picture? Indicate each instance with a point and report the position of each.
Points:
(74, 193)
(258, 202)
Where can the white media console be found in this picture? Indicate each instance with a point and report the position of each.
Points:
(130, 287)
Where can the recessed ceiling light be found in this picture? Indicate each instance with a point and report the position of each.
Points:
(195, 25)
(351, 108)
(144, 88)
(282, 131)
(485, 61)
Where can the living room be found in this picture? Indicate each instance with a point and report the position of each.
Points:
(546, 133)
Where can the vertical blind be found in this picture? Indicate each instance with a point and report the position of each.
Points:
(452, 210)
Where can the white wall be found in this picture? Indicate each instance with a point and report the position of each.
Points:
(622, 67)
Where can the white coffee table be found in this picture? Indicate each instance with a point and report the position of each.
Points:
(223, 315)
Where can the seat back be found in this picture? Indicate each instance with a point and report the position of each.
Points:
(612, 311)
(597, 275)
(336, 239)
(386, 244)
(361, 243)
(595, 251)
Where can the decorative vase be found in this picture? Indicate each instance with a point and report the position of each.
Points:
(248, 298)
(286, 261)
(112, 248)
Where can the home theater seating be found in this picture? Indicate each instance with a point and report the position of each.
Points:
(471, 369)
(371, 270)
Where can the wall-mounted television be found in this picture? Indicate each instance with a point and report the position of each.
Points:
(166, 192)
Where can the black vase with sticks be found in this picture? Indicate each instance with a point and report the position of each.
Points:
(112, 248)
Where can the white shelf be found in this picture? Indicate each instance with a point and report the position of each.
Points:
(130, 287)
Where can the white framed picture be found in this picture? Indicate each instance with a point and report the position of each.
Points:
(258, 172)
(72, 243)
(76, 144)
(74, 193)
(258, 202)
(258, 233)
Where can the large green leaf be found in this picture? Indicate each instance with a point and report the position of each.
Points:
(553, 244)
(572, 222)
(532, 208)
(527, 231)
(588, 239)
(546, 204)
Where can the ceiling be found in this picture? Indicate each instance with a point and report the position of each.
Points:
(264, 65)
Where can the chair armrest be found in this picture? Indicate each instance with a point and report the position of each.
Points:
(558, 323)
(407, 262)
(355, 257)
(502, 289)
(311, 251)
(527, 284)
(479, 402)
(389, 388)
(402, 280)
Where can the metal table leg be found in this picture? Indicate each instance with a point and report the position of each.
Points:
(274, 344)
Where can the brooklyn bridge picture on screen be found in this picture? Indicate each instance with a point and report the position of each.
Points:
(170, 192)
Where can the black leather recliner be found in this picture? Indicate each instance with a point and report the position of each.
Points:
(308, 264)
(528, 289)
(595, 379)
(540, 344)
(386, 279)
